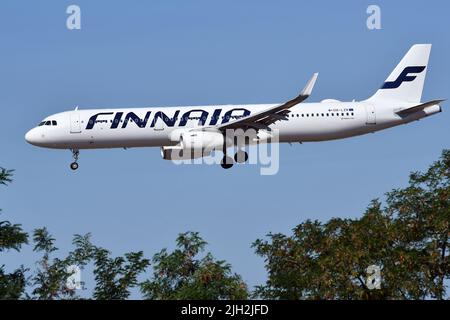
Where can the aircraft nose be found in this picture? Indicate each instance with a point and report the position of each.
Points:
(32, 136)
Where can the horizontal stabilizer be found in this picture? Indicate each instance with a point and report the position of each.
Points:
(419, 107)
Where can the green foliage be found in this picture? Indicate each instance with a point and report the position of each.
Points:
(116, 276)
(408, 239)
(182, 275)
(50, 281)
(43, 241)
(11, 235)
(12, 285)
(423, 218)
(5, 176)
(84, 250)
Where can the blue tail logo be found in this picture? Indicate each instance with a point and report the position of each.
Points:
(403, 77)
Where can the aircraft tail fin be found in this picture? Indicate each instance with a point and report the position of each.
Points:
(406, 82)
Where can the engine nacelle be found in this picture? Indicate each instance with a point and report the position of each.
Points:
(193, 145)
(201, 140)
(178, 153)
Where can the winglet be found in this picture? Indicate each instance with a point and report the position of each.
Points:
(309, 86)
(264, 118)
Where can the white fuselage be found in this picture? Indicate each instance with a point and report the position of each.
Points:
(191, 132)
(157, 127)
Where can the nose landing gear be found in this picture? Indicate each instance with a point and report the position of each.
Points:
(74, 164)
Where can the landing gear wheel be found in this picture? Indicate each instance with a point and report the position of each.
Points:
(74, 166)
(241, 156)
(75, 154)
(227, 162)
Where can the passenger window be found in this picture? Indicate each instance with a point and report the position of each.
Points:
(54, 123)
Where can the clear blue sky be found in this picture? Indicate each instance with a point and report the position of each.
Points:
(162, 53)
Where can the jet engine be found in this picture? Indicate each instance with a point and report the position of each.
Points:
(193, 144)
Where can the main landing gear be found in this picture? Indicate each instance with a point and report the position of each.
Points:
(227, 162)
(74, 164)
(239, 157)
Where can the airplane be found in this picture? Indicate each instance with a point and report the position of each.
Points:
(180, 130)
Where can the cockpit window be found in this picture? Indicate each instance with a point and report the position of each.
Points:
(48, 123)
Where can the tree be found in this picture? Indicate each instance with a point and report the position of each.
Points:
(12, 237)
(116, 276)
(51, 279)
(408, 240)
(182, 275)
(423, 218)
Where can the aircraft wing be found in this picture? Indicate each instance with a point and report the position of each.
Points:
(264, 118)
